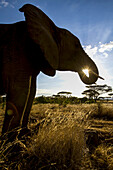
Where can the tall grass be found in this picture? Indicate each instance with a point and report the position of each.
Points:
(61, 147)
(59, 142)
(103, 111)
(103, 157)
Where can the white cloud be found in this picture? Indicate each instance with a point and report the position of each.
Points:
(91, 51)
(4, 3)
(101, 50)
(106, 47)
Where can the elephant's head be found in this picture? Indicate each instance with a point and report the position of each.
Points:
(61, 49)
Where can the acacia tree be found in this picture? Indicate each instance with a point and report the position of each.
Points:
(64, 93)
(111, 95)
(91, 94)
(94, 91)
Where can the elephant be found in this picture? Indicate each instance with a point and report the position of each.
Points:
(28, 48)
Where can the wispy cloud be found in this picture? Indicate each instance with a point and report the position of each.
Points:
(5, 3)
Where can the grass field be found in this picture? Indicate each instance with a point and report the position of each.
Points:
(63, 137)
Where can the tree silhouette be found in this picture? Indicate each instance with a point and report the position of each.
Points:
(110, 94)
(94, 91)
(91, 94)
(64, 93)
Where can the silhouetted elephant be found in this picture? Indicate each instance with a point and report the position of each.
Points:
(31, 46)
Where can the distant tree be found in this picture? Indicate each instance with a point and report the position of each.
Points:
(100, 88)
(111, 95)
(67, 94)
(56, 95)
(94, 91)
(91, 94)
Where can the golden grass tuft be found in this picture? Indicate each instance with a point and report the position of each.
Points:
(59, 146)
(103, 157)
(103, 111)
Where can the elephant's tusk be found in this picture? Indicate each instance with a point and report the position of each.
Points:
(97, 75)
(101, 77)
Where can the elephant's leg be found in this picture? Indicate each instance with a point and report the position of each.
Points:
(17, 96)
(25, 130)
(29, 103)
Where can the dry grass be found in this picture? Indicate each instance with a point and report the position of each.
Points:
(103, 111)
(103, 157)
(64, 137)
(58, 146)
(2, 113)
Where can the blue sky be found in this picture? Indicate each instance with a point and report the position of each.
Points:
(90, 20)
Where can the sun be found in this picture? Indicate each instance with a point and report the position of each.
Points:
(86, 72)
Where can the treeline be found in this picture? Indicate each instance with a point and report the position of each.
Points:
(62, 100)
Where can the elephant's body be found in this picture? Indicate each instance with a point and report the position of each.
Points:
(20, 65)
(17, 71)
(18, 59)
(31, 46)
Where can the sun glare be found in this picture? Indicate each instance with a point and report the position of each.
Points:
(86, 72)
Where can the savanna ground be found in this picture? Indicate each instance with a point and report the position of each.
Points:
(63, 137)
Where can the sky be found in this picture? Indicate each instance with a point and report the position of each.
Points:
(90, 20)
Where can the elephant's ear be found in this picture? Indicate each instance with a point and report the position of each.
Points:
(42, 31)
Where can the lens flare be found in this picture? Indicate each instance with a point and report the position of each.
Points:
(86, 72)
